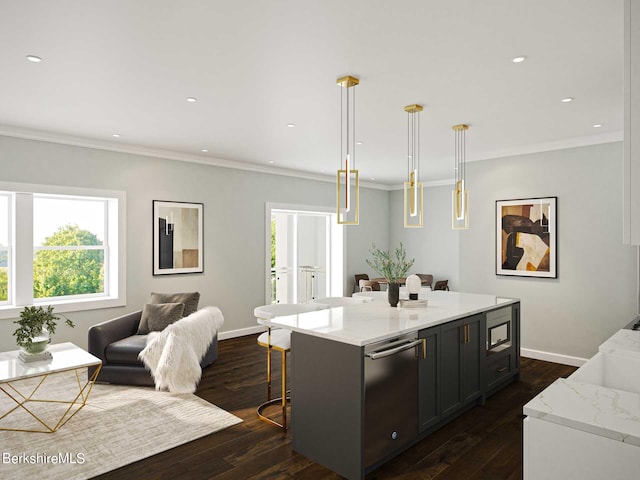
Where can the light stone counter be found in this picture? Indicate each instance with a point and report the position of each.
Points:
(588, 425)
(623, 342)
(590, 408)
(598, 398)
(376, 321)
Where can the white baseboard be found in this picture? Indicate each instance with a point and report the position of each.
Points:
(553, 357)
(241, 332)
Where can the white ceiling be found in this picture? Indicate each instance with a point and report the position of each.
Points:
(127, 67)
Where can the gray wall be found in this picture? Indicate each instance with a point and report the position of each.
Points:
(234, 223)
(593, 296)
(595, 292)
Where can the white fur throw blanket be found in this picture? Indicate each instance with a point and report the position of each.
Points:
(173, 355)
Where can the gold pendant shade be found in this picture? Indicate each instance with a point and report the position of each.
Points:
(347, 180)
(460, 195)
(413, 192)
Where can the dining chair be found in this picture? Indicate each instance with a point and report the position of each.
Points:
(426, 280)
(441, 285)
(279, 339)
(357, 277)
(370, 285)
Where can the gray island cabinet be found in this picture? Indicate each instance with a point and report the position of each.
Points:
(368, 381)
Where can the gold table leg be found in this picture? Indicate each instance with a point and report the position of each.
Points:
(22, 400)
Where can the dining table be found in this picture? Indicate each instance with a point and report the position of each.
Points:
(384, 281)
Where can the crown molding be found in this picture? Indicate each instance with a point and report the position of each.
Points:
(608, 137)
(53, 137)
(429, 184)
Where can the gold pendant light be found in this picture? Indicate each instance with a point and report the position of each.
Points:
(413, 200)
(460, 195)
(347, 182)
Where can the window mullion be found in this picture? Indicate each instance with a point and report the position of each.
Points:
(68, 247)
(107, 259)
(23, 248)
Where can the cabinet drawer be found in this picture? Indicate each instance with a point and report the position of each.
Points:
(498, 369)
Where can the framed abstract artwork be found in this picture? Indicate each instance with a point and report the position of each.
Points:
(177, 237)
(526, 237)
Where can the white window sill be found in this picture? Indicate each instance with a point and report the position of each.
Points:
(62, 306)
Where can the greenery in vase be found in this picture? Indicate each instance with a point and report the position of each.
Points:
(387, 266)
(32, 321)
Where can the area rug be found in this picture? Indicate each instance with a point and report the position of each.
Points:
(118, 426)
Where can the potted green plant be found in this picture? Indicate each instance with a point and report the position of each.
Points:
(392, 268)
(36, 325)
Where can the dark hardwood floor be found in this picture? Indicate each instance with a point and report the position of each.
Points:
(484, 443)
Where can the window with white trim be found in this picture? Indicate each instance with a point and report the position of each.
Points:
(69, 246)
(61, 246)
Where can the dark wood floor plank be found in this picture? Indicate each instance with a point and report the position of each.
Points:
(483, 443)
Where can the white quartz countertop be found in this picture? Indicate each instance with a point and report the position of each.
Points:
(623, 342)
(363, 324)
(591, 408)
(602, 397)
(65, 356)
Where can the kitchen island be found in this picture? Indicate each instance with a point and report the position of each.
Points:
(369, 380)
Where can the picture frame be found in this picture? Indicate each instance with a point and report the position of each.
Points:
(526, 237)
(178, 237)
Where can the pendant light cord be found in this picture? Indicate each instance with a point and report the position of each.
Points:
(354, 127)
(464, 155)
(408, 146)
(345, 119)
(416, 135)
(341, 129)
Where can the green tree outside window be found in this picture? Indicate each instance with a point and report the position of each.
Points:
(68, 272)
(4, 276)
(4, 284)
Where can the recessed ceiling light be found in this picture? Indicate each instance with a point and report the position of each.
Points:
(192, 99)
(116, 135)
(291, 125)
(34, 58)
(204, 150)
(567, 99)
(519, 59)
(271, 162)
(359, 143)
(372, 178)
(597, 125)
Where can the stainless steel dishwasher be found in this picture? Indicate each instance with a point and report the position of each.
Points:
(391, 396)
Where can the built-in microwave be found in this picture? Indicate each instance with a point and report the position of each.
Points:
(499, 329)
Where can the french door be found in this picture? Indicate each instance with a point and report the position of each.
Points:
(305, 255)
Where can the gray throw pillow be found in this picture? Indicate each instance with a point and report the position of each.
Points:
(190, 300)
(157, 316)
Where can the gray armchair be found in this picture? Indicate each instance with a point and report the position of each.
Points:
(117, 344)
